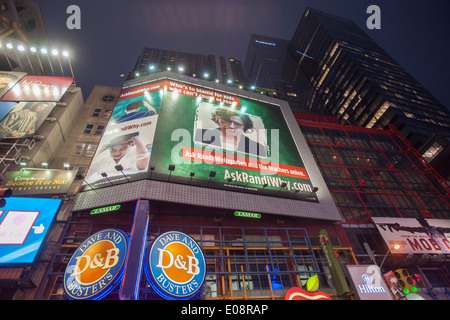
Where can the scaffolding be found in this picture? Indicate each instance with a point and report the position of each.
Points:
(12, 152)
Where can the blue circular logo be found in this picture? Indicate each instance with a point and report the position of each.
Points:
(175, 266)
(97, 265)
(367, 278)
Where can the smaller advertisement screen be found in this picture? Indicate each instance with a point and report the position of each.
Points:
(408, 235)
(25, 119)
(124, 151)
(8, 80)
(368, 282)
(38, 88)
(24, 223)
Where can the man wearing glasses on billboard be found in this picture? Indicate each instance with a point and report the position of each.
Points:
(230, 135)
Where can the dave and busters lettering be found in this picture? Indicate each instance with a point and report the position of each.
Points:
(97, 265)
(175, 266)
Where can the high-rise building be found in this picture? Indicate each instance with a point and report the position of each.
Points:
(269, 64)
(360, 83)
(210, 67)
(330, 66)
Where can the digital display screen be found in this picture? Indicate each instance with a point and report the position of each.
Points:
(24, 223)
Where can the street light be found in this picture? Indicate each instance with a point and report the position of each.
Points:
(396, 247)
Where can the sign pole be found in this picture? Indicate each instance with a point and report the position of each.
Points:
(136, 251)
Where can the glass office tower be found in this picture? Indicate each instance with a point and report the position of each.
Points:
(360, 83)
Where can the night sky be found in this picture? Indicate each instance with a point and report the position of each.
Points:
(113, 33)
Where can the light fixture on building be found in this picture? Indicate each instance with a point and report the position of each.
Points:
(152, 168)
(191, 175)
(81, 177)
(104, 175)
(171, 169)
(212, 174)
(120, 168)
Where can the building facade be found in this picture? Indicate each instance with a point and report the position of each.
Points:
(258, 241)
(210, 67)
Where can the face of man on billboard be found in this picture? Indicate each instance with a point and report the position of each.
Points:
(119, 151)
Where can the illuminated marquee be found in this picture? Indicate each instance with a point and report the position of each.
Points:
(97, 265)
(175, 266)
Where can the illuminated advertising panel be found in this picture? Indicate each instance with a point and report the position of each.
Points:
(415, 235)
(8, 80)
(25, 119)
(24, 222)
(49, 181)
(217, 139)
(124, 150)
(38, 88)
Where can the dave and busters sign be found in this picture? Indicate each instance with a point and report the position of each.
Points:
(97, 265)
(174, 265)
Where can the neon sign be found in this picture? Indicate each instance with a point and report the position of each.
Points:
(175, 266)
(247, 214)
(266, 43)
(106, 209)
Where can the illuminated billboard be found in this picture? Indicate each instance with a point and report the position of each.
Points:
(38, 88)
(24, 223)
(415, 235)
(203, 137)
(25, 119)
(124, 150)
(51, 181)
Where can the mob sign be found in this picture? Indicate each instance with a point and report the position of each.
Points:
(175, 266)
(97, 265)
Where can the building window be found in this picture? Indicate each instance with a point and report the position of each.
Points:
(78, 149)
(108, 98)
(88, 129)
(96, 112)
(84, 149)
(99, 130)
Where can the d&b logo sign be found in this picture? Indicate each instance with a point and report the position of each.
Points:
(175, 266)
(97, 265)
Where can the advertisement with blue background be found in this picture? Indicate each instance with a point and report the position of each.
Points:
(24, 223)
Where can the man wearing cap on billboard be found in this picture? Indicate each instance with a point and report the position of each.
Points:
(230, 133)
(126, 150)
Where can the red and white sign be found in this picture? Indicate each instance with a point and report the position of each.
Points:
(38, 88)
(296, 293)
(415, 235)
